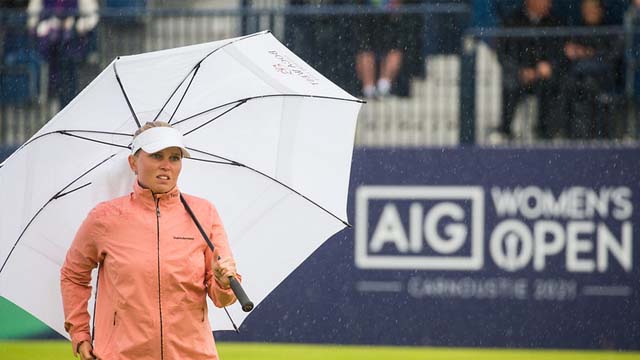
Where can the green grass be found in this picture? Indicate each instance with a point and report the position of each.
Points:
(57, 350)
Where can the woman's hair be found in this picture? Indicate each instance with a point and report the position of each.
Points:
(149, 125)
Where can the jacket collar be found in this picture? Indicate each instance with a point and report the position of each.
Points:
(146, 197)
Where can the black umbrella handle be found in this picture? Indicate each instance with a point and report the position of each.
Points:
(247, 305)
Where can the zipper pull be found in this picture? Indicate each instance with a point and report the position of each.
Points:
(157, 207)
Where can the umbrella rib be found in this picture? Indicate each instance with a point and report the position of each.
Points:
(196, 68)
(94, 140)
(235, 163)
(175, 91)
(225, 162)
(215, 118)
(124, 93)
(70, 191)
(67, 132)
(232, 42)
(56, 196)
(210, 161)
(183, 95)
(244, 100)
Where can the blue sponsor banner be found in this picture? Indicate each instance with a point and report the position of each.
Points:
(473, 247)
(527, 248)
(5, 151)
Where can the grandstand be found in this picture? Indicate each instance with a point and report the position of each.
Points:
(428, 112)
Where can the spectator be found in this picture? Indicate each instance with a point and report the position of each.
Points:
(530, 66)
(61, 29)
(632, 23)
(379, 36)
(592, 66)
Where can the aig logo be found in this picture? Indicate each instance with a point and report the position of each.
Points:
(419, 227)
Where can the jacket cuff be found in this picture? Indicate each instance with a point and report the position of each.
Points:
(77, 339)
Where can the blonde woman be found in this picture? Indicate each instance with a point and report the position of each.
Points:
(154, 269)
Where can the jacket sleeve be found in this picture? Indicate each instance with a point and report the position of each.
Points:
(221, 297)
(75, 279)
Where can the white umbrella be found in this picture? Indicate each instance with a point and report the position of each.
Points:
(271, 141)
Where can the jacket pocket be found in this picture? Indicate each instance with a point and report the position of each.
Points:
(104, 345)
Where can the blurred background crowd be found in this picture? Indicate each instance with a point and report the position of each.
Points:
(435, 72)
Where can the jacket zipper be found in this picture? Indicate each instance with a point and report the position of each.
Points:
(159, 290)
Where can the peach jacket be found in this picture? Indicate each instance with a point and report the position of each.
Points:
(153, 278)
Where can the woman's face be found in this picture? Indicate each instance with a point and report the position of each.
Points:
(159, 171)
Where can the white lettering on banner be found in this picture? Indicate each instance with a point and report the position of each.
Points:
(441, 228)
(620, 250)
(575, 202)
(555, 289)
(457, 232)
(468, 288)
(453, 237)
(513, 245)
(504, 244)
(624, 207)
(577, 244)
(389, 230)
(542, 230)
(493, 288)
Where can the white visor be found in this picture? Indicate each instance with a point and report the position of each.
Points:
(159, 138)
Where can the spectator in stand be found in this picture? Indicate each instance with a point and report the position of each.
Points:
(379, 36)
(592, 74)
(61, 29)
(530, 66)
(632, 21)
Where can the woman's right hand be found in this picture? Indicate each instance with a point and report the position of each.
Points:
(223, 268)
(86, 351)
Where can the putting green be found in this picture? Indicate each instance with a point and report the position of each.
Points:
(57, 350)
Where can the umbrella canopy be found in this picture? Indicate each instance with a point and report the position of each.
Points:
(271, 142)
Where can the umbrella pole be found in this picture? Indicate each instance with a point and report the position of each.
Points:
(247, 305)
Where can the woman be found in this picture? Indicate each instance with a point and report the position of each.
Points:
(155, 270)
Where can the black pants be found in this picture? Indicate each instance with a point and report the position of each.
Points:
(546, 91)
(587, 105)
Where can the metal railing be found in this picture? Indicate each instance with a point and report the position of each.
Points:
(481, 93)
(425, 114)
(447, 95)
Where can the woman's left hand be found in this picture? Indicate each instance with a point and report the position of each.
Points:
(223, 267)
